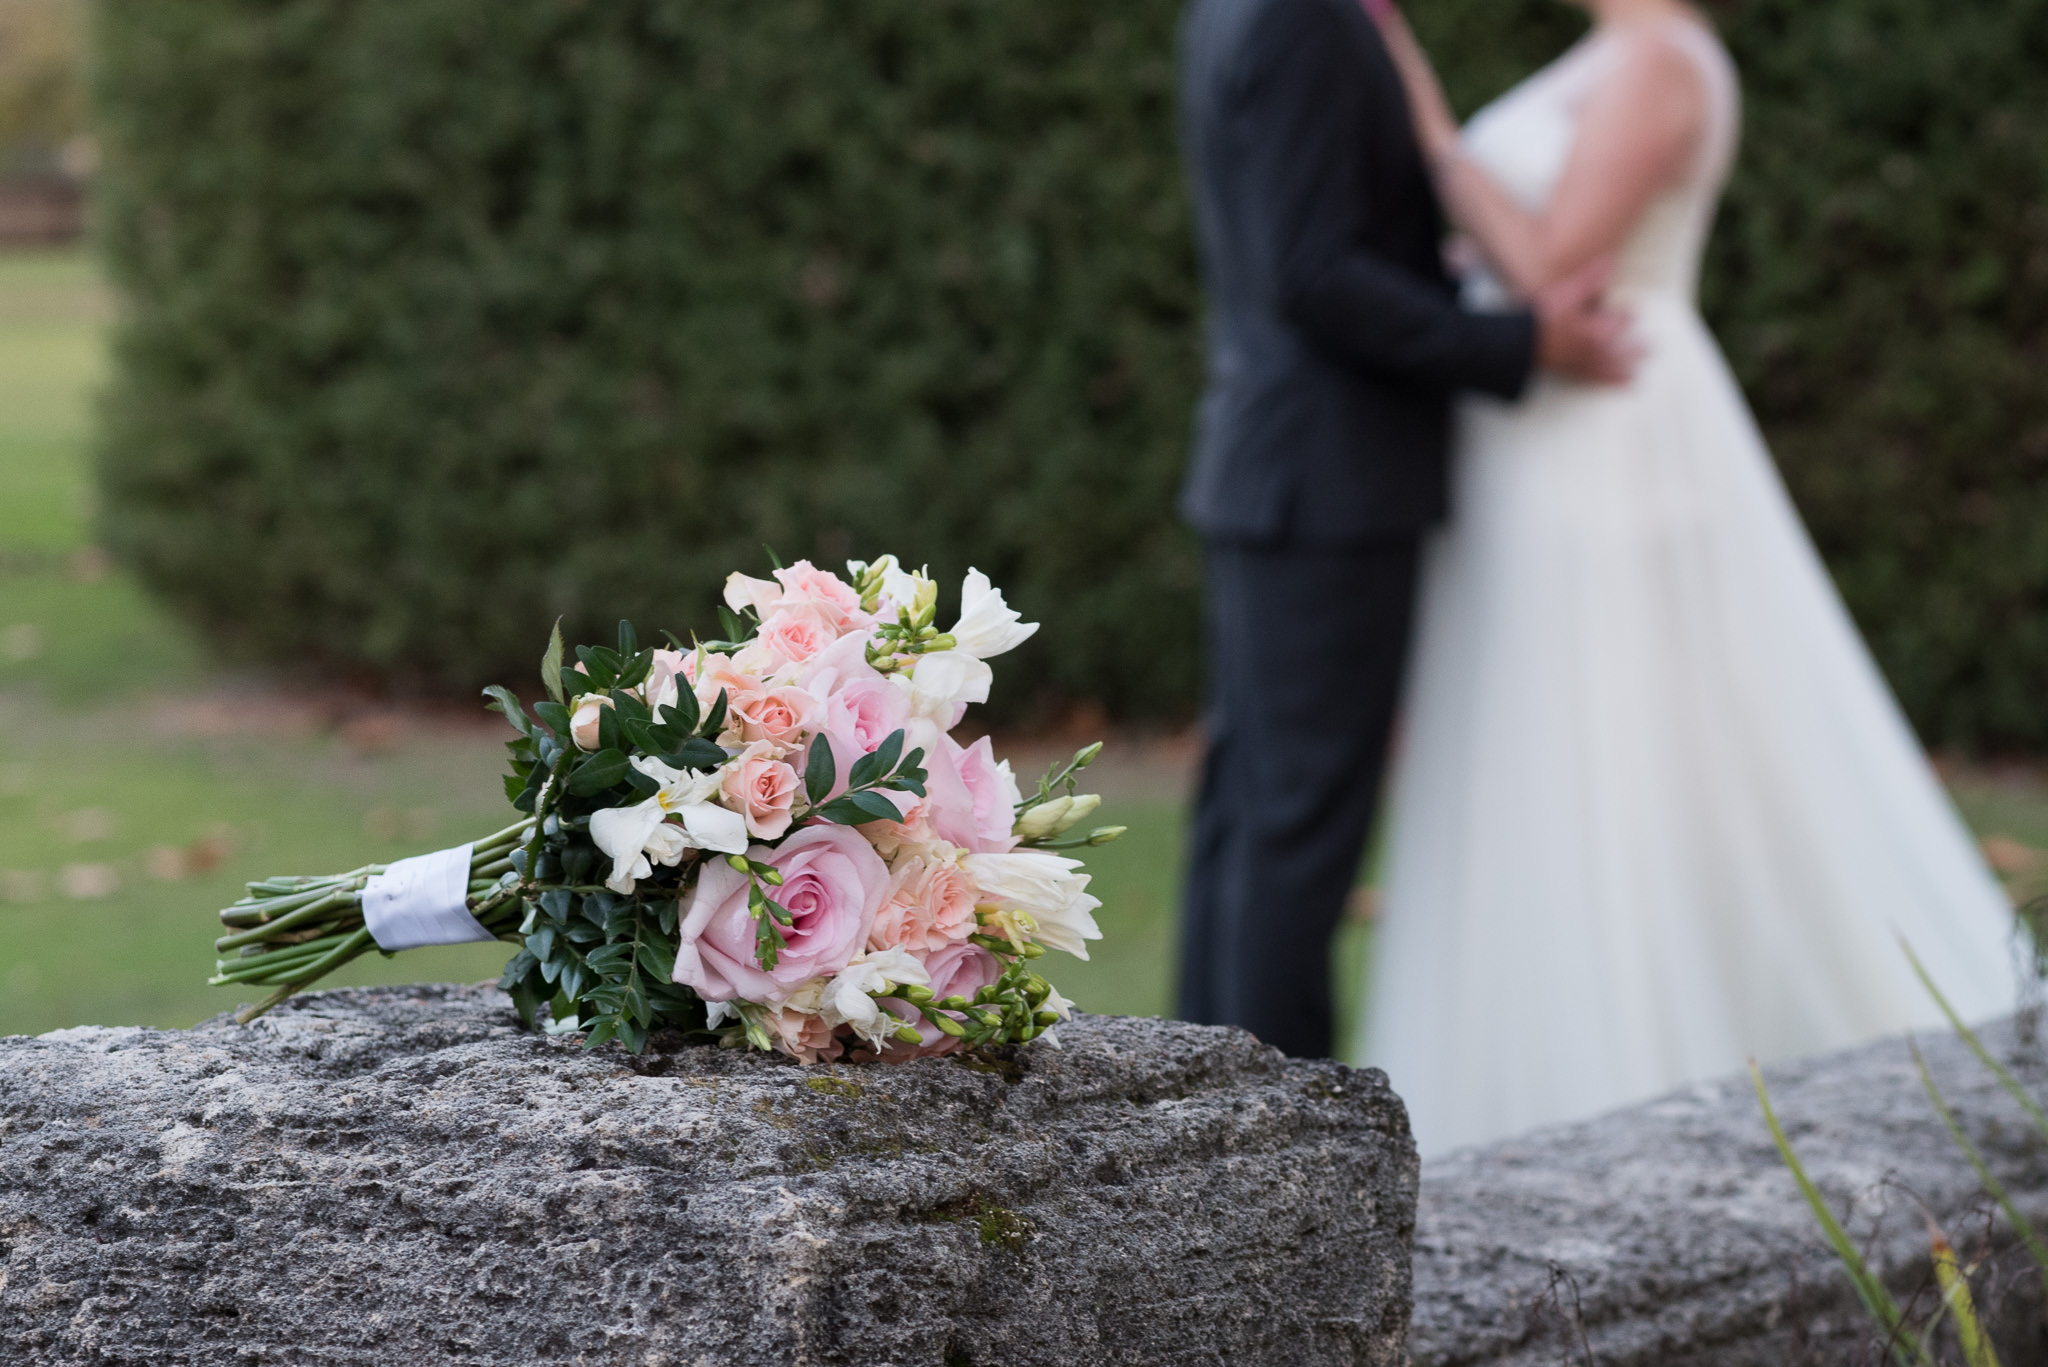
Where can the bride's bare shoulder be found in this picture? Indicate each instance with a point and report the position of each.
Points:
(1653, 92)
(1660, 68)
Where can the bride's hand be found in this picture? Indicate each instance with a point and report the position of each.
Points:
(1435, 126)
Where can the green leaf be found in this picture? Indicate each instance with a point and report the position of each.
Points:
(502, 700)
(556, 717)
(629, 640)
(551, 664)
(599, 772)
(855, 809)
(698, 754)
(610, 959)
(682, 713)
(821, 772)
(599, 1033)
(890, 750)
(515, 788)
(629, 707)
(714, 721)
(729, 621)
(658, 961)
(872, 766)
(608, 735)
(634, 672)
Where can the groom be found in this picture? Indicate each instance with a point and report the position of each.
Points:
(1336, 345)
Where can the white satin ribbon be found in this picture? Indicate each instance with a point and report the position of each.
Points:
(422, 901)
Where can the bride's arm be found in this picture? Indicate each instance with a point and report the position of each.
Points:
(1636, 137)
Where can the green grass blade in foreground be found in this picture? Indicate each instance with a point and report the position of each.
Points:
(1869, 1289)
(2020, 1224)
(1969, 1036)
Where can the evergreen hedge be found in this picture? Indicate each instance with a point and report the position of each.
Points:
(450, 316)
(447, 316)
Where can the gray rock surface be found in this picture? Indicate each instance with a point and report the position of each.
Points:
(1672, 1234)
(402, 1176)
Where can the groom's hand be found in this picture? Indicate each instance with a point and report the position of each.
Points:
(1578, 335)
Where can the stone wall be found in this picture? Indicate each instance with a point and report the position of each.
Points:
(400, 1176)
(1671, 1234)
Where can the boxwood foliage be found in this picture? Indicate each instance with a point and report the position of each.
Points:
(449, 316)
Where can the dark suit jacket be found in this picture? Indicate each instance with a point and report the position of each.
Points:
(1335, 339)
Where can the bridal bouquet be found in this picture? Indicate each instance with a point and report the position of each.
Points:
(772, 838)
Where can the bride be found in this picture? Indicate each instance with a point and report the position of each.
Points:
(1657, 811)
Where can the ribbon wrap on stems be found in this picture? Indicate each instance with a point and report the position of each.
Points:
(423, 901)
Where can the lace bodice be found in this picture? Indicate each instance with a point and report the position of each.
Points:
(1524, 138)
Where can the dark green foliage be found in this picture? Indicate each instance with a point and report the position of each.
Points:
(451, 316)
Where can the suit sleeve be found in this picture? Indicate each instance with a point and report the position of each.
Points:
(1298, 113)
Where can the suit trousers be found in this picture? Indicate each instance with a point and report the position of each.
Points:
(1306, 648)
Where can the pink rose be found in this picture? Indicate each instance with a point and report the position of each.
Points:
(971, 800)
(719, 675)
(948, 804)
(930, 905)
(805, 585)
(913, 831)
(762, 789)
(780, 716)
(843, 662)
(857, 719)
(833, 882)
(803, 1036)
(958, 970)
(994, 792)
(794, 635)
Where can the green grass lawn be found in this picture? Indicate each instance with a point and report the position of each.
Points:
(141, 787)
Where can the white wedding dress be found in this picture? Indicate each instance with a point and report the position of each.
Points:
(1656, 810)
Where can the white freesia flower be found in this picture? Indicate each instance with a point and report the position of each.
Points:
(988, 626)
(634, 836)
(944, 681)
(1045, 887)
(1057, 1004)
(848, 998)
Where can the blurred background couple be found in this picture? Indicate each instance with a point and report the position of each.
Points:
(1653, 809)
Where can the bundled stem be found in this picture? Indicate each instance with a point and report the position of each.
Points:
(288, 933)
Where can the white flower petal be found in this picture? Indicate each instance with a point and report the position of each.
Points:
(988, 626)
(622, 833)
(711, 827)
(944, 680)
(1047, 887)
